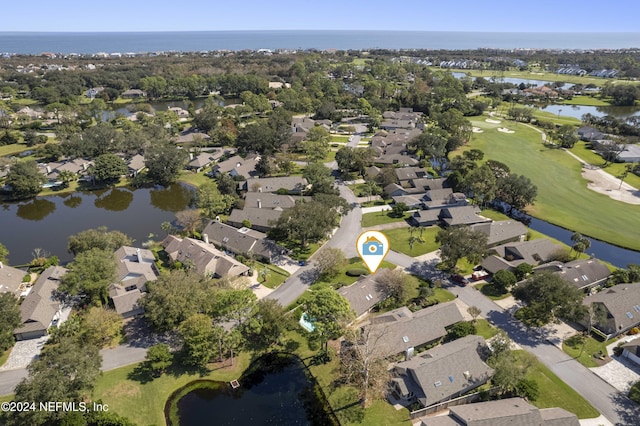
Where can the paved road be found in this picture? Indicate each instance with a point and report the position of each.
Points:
(604, 397)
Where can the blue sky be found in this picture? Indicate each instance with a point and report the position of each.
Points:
(417, 15)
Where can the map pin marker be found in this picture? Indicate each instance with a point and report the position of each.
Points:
(372, 246)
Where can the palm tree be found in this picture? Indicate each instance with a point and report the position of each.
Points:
(67, 176)
(264, 274)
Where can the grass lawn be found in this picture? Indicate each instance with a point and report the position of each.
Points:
(556, 393)
(380, 218)
(614, 169)
(442, 295)
(563, 198)
(4, 356)
(277, 275)
(336, 138)
(586, 100)
(492, 293)
(484, 329)
(15, 148)
(573, 346)
(342, 279)
(194, 179)
(465, 267)
(143, 401)
(300, 253)
(399, 240)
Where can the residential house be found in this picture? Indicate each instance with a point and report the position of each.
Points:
(205, 259)
(502, 231)
(292, 184)
(267, 200)
(503, 412)
(410, 173)
(243, 241)
(136, 164)
(444, 198)
(182, 113)
(236, 166)
(412, 201)
(509, 256)
(581, 273)
(200, 161)
(463, 215)
(425, 218)
(38, 310)
(133, 94)
(631, 351)
(401, 330)
(621, 303)
(191, 136)
(394, 190)
(93, 92)
(364, 294)
(427, 183)
(590, 134)
(405, 118)
(11, 280)
(443, 373)
(135, 267)
(260, 219)
(631, 154)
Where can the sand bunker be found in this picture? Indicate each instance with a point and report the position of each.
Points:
(505, 130)
(489, 120)
(477, 130)
(603, 183)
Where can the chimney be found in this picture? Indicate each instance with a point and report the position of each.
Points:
(259, 203)
(1, 265)
(84, 166)
(139, 255)
(205, 237)
(48, 169)
(191, 156)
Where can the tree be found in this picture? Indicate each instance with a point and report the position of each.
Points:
(173, 298)
(330, 261)
(4, 253)
(622, 94)
(363, 364)
(459, 242)
(431, 144)
(522, 271)
(189, 220)
(266, 326)
(329, 313)
(548, 298)
(481, 182)
(305, 222)
(316, 145)
(396, 285)
(503, 280)
(25, 180)
(567, 136)
(319, 176)
(461, 329)
(90, 274)
(634, 392)
(159, 358)
(580, 243)
(164, 162)
(226, 184)
(99, 238)
(101, 326)
(9, 320)
(212, 201)
(66, 371)
(198, 337)
(474, 311)
(108, 169)
(517, 191)
(399, 209)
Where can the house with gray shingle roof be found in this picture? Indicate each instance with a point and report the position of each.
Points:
(293, 184)
(401, 330)
(206, 259)
(622, 306)
(135, 267)
(443, 373)
(508, 256)
(502, 231)
(462, 215)
(240, 240)
(267, 200)
(425, 217)
(11, 280)
(260, 219)
(136, 164)
(503, 412)
(38, 309)
(581, 273)
(631, 351)
(236, 166)
(200, 161)
(364, 294)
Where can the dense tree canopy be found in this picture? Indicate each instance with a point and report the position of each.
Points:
(25, 179)
(90, 274)
(459, 242)
(99, 238)
(9, 319)
(329, 312)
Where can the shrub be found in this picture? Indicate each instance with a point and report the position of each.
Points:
(356, 272)
(634, 392)
(528, 388)
(461, 329)
(26, 278)
(617, 351)
(634, 331)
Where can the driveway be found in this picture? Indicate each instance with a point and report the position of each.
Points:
(23, 352)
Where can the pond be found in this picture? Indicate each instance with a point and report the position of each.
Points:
(577, 111)
(515, 80)
(276, 390)
(47, 222)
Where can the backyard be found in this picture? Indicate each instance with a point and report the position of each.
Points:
(563, 197)
(425, 242)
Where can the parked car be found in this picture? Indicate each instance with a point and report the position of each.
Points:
(459, 279)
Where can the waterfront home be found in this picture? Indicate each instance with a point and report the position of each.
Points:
(508, 256)
(236, 166)
(259, 219)
(39, 311)
(11, 280)
(135, 267)
(621, 305)
(203, 257)
(242, 241)
(581, 273)
(364, 294)
(502, 231)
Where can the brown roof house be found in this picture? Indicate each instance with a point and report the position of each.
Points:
(442, 373)
(293, 184)
(503, 412)
(135, 267)
(243, 241)
(206, 259)
(401, 330)
(260, 219)
(364, 294)
(620, 307)
(236, 166)
(38, 310)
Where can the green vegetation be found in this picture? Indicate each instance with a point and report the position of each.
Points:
(4, 356)
(586, 100)
(544, 76)
(556, 393)
(336, 138)
(355, 263)
(494, 215)
(484, 329)
(491, 292)
(143, 401)
(381, 218)
(399, 240)
(193, 179)
(563, 197)
(276, 275)
(614, 169)
(574, 347)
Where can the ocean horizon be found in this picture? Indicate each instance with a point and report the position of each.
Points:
(34, 43)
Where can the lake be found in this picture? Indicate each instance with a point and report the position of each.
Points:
(276, 391)
(577, 111)
(47, 222)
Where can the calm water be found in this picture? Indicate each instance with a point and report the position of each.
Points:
(277, 394)
(47, 222)
(578, 111)
(35, 43)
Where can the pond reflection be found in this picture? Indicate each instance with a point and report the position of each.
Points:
(36, 210)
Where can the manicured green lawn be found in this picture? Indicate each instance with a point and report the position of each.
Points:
(276, 276)
(4, 356)
(563, 196)
(14, 148)
(556, 393)
(380, 218)
(573, 347)
(143, 402)
(336, 138)
(586, 100)
(484, 329)
(465, 267)
(194, 179)
(442, 295)
(342, 279)
(614, 169)
(488, 290)
(399, 240)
